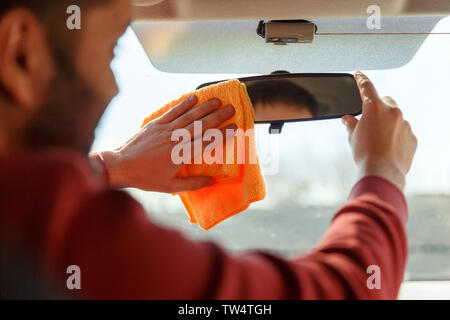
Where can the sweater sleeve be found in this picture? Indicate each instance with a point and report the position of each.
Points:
(123, 255)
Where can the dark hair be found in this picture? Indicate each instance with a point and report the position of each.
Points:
(271, 91)
(52, 13)
(46, 8)
(53, 16)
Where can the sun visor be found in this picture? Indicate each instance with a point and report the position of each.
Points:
(235, 46)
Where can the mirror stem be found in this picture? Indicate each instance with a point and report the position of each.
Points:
(276, 127)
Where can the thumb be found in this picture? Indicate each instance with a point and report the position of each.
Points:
(191, 183)
(350, 123)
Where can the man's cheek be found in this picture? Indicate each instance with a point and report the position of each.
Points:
(104, 89)
(97, 73)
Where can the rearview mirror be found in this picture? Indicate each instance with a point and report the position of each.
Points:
(280, 98)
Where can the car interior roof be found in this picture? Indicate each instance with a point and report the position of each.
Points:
(177, 35)
(200, 10)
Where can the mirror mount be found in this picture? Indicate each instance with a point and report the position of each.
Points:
(276, 127)
(286, 31)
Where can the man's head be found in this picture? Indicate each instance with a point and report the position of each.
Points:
(281, 100)
(55, 82)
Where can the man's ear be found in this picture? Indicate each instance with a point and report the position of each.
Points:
(26, 64)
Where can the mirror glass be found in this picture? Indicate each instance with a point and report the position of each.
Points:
(300, 97)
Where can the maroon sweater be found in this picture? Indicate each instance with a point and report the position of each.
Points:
(52, 204)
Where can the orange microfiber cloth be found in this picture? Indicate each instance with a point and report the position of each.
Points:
(238, 183)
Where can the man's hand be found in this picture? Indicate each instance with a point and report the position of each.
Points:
(144, 162)
(382, 141)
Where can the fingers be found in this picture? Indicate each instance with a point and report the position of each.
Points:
(179, 109)
(389, 102)
(196, 113)
(366, 87)
(196, 148)
(393, 108)
(195, 183)
(371, 99)
(368, 91)
(350, 123)
(410, 132)
(197, 152)
(191, 183)
(369, 95)
(213, 120)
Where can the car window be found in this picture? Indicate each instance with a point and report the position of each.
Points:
(315, 170)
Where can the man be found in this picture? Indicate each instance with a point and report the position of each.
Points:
(54, 210)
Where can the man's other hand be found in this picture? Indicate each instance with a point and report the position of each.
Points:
(382, 142)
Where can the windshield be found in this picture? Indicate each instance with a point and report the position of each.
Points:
(315, 171)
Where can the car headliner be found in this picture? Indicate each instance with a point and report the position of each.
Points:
(201, 10)
(234, 47)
